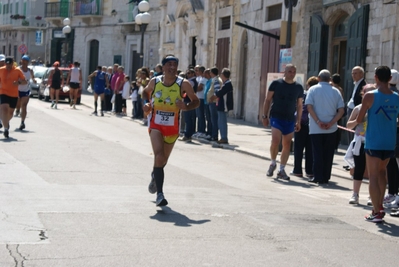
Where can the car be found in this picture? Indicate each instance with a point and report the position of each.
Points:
(62, 95)
(38, 72)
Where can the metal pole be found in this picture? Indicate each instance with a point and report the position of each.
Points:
(142, 28)
(289, 25)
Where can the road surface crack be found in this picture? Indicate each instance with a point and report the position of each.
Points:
(13, 250)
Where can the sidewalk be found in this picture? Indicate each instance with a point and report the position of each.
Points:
(250, 139)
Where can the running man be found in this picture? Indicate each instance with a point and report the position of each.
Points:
(56, 83)
(10, 78)
(101, 82)
(166, 102)
(24, 92)
(382, 108)
(74, 80)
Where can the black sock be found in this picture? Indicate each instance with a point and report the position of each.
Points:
(159, 177)
(102, 105)
(95, 106)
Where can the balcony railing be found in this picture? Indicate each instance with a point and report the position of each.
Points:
(58, 9)
(87, 8)
(28, 22)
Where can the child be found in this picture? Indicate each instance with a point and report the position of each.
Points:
(133, 96)
(125, 94)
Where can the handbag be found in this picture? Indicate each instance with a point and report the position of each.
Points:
(90, 89)
(65, 88)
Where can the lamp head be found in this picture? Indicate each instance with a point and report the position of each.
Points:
(66, 21)
(144, 6)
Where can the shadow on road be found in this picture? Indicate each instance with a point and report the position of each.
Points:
(171, 216)
(389, 229)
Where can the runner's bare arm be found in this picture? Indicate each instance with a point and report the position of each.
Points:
(188, 89)
(80, 76)
(69, 77)
(266, 107)
(32, 74)
(299, 107)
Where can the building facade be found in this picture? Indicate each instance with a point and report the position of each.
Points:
(22, 28)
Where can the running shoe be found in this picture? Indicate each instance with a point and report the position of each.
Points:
(282, 175)
(74, 107)
(369, 203)
(374, 217)
(22, 126)
(392, 205)
(71, 103)
(16, 113)
(395, 214)
(5, 133)
(94, 113)
(152, 187)
(52, 104)
(389, 198)
(161, 201)
(296, 174)
(271, 170)
(55, 106)
(102, 114)
(354, 199)
(185, 139)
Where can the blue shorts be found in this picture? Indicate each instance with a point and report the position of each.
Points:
(286, 127)
(381, 154)
(99, 91)
(23, 94)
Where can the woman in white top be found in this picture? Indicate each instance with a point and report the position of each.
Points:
(74, 80)
(24, 90)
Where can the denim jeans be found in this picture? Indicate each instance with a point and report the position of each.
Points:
(214, 118)
(222, 122)
(208, 120)
(200, 117)
(189, 118)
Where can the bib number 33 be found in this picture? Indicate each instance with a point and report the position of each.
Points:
(164, 118)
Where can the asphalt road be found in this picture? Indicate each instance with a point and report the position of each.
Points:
(73, 192)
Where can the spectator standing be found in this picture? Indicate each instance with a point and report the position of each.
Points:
(133, 97)
(225, 103)
(118, 90)
(302, 139)
(380, 137)
(115, 76)
(208, 119)
(216, 82)
(189, 115)
(283, 98)
(356, 99)
(326, 107)
(142, 81)
(357, 147)
(101, 82)
(200, 111)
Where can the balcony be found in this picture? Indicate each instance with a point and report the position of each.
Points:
(83, 8)
(57, 10)
(5, 22)
(28, 23)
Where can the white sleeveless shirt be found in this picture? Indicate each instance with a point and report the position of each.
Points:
(25, 87)
(75, 75)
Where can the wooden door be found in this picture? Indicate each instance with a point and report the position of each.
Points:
(318, 40)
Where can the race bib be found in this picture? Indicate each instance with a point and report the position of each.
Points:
(164, 118)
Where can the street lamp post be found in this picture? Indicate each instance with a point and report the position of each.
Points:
(143, 19)
(66, 31)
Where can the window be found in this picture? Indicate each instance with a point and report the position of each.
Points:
(24, 11)
(225, 23)
(16, 8)
(10, 8)
(274, 12)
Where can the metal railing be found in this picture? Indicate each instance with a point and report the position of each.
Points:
(85, 8)
(58, 9)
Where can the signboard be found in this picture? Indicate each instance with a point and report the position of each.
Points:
(285, 58)
(333, 2)
(299, 78)
(59, 34)
(39, 38)
(22, 49)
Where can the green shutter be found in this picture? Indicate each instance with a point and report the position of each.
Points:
(131, 6)
(10, 8)
(356, 46)
(64, 8)
(17, 8)
(24, 8)
(317, 51)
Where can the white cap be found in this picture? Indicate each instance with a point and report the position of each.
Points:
(395, 77)
(2, 57)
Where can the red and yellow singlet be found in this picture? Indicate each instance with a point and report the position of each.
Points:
(165, 114)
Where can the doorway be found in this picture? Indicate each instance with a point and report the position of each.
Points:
(243, 74)
(339, 44)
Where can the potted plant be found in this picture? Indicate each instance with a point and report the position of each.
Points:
(38, 17)
(16, 16)
(22, 17)
(25, 23)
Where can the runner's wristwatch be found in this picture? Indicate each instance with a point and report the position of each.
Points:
(264, 116)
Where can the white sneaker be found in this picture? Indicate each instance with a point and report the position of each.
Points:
(394, 204)
(389, 198)
(369, 203)
(354, 199)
